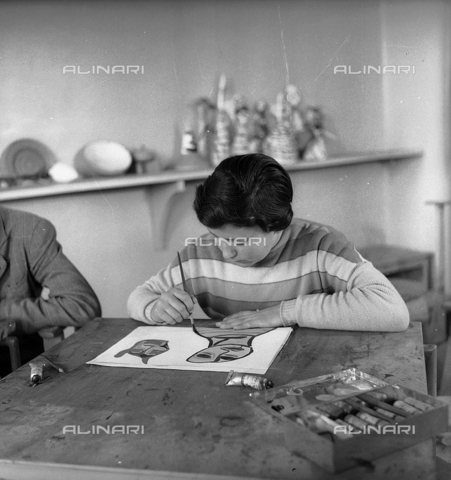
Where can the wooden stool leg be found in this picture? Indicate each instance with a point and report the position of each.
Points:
(430, 358)
(14, 352)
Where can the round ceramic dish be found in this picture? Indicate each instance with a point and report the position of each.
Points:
(27, 158)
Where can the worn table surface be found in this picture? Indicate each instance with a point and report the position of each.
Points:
(193, 425)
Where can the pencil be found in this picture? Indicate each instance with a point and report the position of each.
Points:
(184, 286)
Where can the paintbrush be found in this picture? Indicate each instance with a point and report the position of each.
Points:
(54, 365)
(184, 288)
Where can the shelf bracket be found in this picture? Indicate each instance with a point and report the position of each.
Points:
(159, 198)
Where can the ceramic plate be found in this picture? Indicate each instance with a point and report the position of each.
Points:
(27, 158)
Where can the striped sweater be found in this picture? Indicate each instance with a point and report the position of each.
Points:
(313, 273)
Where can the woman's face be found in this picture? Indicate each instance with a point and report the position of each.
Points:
(244, 246)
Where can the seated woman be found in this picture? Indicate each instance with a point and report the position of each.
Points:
(259, 267)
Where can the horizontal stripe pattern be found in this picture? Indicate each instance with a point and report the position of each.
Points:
(245, 334)
(308, 258)
(224, 306)
(313, 261)
(272, 291)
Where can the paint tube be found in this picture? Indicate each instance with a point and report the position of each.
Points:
(424, 407)
(356, 422)
(37, 371)
(391, 415)
(366, 417)
(351, 428)
(236, 379)
(320, 423)
(406, 407)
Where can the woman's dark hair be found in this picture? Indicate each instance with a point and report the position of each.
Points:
(244, 191)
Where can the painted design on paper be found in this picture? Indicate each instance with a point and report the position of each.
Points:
(146, 349)
(225, 345)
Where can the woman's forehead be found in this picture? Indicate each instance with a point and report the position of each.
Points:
(232, 231)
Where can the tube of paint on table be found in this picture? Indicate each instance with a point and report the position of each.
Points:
(356, 422)
(37, 371)
(351, 428)
(38, 365)
(424, 407)
(371, 419)
(406, 407)
(386, 413)
(236, 379)
(320, 423)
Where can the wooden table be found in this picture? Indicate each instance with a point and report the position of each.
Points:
(193, 426)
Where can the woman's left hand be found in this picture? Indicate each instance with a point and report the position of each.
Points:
(269, 317)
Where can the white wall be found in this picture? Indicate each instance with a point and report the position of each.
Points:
(260, 45)
(416, 114)
(183, 46)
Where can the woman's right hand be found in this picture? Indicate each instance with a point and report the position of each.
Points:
(172, 307)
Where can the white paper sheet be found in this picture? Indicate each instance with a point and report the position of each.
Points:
(179, 348)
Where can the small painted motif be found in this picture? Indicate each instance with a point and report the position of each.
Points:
(146, 349)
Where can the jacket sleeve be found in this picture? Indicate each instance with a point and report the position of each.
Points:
(66, 298)
(369, 303)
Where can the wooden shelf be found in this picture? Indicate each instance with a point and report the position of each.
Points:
(162, 187)
(101, 184)
(171, 176)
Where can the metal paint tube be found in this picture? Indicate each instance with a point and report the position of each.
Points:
(406, 407)
(351, 428)
(424, 407)
(37, 372)
(236, 379)
(371, 419)
(356, 422)
(320, 423)
(388, 414)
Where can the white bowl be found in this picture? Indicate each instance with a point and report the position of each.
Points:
(102, 157)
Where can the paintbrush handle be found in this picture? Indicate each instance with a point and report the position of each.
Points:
(54, 365)
(181, 271)
(184, 287)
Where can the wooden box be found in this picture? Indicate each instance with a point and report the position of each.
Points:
(339, 448)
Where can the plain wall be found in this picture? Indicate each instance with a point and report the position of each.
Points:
(416, 115)
(183, 46)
